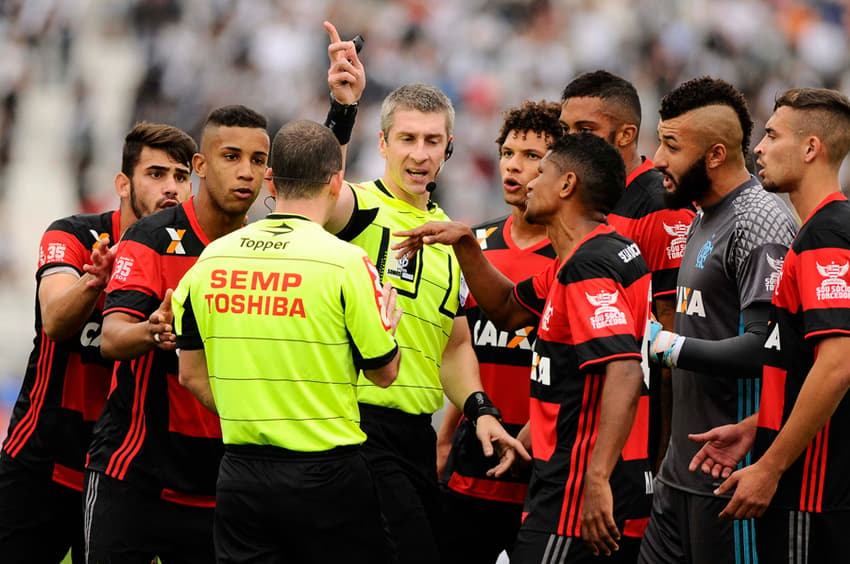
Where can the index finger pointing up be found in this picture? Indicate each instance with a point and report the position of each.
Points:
(333, 34)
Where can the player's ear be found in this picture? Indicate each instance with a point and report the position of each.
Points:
(813, 147)
(626, 135)
(715, 156)
(270, 182)
(122, 185)
(335, 184)
(382, 144)
(569, 184)
(199, 164)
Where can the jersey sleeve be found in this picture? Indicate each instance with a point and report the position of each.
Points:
(136, 284)
(663, 239)
(759, 243)
(373, 344)
(60, 247)
(531, 293)
(606, 313)
(824, 291)
(185, 322)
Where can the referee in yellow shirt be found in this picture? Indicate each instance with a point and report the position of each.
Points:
(273, 322)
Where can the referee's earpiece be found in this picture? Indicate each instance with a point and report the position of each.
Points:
(449, 149)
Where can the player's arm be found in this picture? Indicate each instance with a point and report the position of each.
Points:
(665, 312)
(67, 300)
(736, 357)
(451, 417)
(823, 389)
(346, 82)
(126, 336)
(385, 375)
(493, 291)
(195, 377)
(462, 385)
(618, 405)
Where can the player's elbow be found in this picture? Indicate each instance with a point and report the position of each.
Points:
(55, 329)
(385, 375)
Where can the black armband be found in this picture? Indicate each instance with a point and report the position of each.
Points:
(478, 404)
(340, 120)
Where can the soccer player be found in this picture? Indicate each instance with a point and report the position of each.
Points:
(726, 278)
(798, 484)
(608, 106)
(274, 321)
(590, 477)
(415, 140)
(482, 514)
(67, 380)
(153, 460)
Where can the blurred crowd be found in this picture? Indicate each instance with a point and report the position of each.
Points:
(188, 56)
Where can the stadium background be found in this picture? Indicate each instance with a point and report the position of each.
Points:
(76, 74)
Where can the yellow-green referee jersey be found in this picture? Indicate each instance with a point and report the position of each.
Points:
(287, 314)
(428, 286)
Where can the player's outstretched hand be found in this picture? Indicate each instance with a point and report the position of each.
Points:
(346, 75)
(754, 488)
(724, 448)
(160, 325)
(598, 528)
(445, 232)
(495, 440)
(102, 258)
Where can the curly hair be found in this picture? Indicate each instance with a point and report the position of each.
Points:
(707, 91)
(538, 117)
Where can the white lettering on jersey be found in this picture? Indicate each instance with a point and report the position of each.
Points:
(679, 236)
(629, 253)
(547, 315)
(773, 341)
(833, 287)
(90, 335)
(488, 336)
(606, 315)
(689, 301)
(771, 283)
(540, 372)
(121, 269)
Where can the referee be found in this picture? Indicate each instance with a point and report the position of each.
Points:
(273, 323)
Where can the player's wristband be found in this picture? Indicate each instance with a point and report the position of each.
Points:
(478, 404)
(340, 120)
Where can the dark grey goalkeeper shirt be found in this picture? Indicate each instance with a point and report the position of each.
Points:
(732, 259)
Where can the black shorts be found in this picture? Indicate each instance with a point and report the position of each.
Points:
(402, 452)
(795, 537)
(127, 526)
(275, 506)
(40, 520)
(685, 527)
(534, 547)
(476, 531)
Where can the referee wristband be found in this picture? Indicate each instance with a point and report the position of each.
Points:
(478, 404)
(340, 120)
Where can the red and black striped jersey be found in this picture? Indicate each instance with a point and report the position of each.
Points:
(66, 382)
(810, 302)
(504, 359)
(595, 313)
(660, 233)
(153, 433)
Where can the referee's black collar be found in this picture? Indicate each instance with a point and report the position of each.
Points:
(431, 205)
(279, 215)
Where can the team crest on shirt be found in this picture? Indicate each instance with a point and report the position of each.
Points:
(679, 236)
(771, 282)
(403, 268)
(606, 315)
(833, 286)
(706, 250)
(175, 247)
